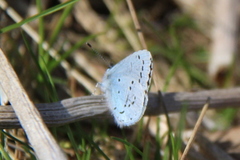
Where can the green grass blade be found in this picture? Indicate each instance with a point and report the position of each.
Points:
(4, 153)
(40, 29)
(129, 154)
(98, 149)
(157, 155)
(146, 149)
(42, 14)
(17, 140)
(59, 24)
(45, 75)
(89, 138)
(128, 144)
(72, 140)
(180, 129)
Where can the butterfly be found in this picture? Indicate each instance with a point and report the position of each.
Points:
(126, 85)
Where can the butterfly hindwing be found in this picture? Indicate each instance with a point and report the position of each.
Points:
(126, 101)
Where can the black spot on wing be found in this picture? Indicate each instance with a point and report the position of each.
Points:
(145, 101)
(148, 82)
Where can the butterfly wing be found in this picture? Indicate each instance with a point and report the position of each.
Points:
(126, 86)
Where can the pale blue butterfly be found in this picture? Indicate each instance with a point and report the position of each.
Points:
(126, 85)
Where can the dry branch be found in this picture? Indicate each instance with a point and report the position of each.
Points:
(38, 134)
(88, 107)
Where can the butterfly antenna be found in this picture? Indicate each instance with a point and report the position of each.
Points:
(90, 46)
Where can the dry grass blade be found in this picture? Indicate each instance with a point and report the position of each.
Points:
(136, 23)
(39, 136)
(205, 107)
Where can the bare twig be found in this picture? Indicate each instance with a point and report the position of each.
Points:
(88, 107)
